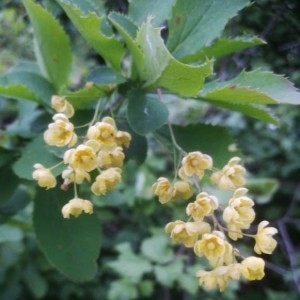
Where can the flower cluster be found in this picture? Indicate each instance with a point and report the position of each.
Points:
(101, 149)
(211, 228)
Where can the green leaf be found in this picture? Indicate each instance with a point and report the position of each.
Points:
(258, 112)
(168, 274)
(53, 48)
(90, 27)
(88, 6)
(260, 87)
(130, 265)
(145, 112)
(18, 91)
(122, 289)
(212, 140)
(35, 152)
(160, 11)
(157, 249)
(71, 245)
(222, 47)
(104, 75)
(195, 24)
(159, 68)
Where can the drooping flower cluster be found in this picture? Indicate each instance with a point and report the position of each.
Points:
(100, 149)
(209, 235)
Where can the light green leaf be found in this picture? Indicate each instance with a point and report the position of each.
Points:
(71, 245)
(258, 112)
(35, 152)
(222, 47)
(88, 6)
(145, 112)
(90, 27)
(168, 274)
(157, 249)
(18, 91)
(130, 265)
(53, 48)
(38, 85)
(195, 24)
(212, 140)
(10, 234)
(104, 75)
(140, 10)
(122, 289)
(260, 87)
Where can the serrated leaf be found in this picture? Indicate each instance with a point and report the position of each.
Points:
(212, 140)
(130, 265)
(260, 87)
(140, 10)
(38, 85)
(71, 245)
(53, 48)
(258, 112)
(145, 112)
(195, 24)
(88, 6)
(222, 47)
(89, 26)
(35, 152)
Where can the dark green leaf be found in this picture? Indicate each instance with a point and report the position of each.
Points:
(53, 48)
(71, 245)
(195, 24)
(145, 112)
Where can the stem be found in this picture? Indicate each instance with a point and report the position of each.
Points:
(75, 190)
(55, 166)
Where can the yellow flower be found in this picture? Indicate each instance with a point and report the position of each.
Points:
(43, 176)
(205, 205)
(107, 180)
(186, 232)
(265, 243)
(123, 138)
(163, 189)
(239, 213)
(219, 277)
(183, 189)
(61, 132)
(110, 158)
(212, 245)
(253, 268)
(75, 175)
(194, 163)
(61, 105)
(104, 132)
(76, 206)
(231, 176)
(83, 157)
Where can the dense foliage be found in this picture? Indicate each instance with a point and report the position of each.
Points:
(214, 88)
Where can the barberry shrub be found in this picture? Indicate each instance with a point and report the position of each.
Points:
(77, 137)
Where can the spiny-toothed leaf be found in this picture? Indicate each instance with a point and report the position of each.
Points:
(145, 112)
(255, 87)
(195, 24)
(140, 10)
(71, 245)
(222, 47)
(52, 45)
(38, 85)
(258, 112)
(88, 6)
(90, 27)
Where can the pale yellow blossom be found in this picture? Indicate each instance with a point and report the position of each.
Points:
(163, 189)
(111, 158)
(75, 175)
(232, 175)
(253, 268)
(183, 189)
(265, 243)
(76, 206)
(61, 132)
(205, 205)
(186, 232)
(61, 105)
(107, 180)
(43, 176)
(103, 132)
(83, 157)
(123, 138)
(195, 163)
